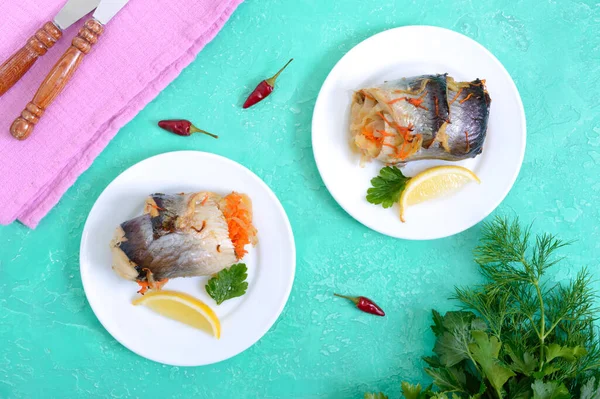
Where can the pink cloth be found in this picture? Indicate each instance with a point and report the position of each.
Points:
(141, 51)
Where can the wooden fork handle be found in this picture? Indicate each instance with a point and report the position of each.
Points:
(57, 79)
(20, 62)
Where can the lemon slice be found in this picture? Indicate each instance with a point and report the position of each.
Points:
(434, 183)
(184, 308)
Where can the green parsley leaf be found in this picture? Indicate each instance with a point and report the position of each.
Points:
(485, 351)
(410, 391)
(448, 379)
(228, 283)
(571, 354)
(519, 389)
(546, 371)
(589, 390)
(454, 336)
(438, 326)
(375, 396)
(387, 187)
(549, 390)
(525, 365)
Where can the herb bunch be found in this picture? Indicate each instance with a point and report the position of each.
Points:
(519, 335)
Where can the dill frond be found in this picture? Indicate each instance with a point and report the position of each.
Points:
(526, 311)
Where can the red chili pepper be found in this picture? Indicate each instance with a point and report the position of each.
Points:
(264, 88)
(364, 304)
(182, 127)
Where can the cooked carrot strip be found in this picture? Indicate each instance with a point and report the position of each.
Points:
(405, 132)
(417, 102)
(150, 283)
(153, 205)
(458, 93)
(466, 98)
(383, 117)
(204, 200)
(411, 147)
(143, 287)
(371, 137)
(395, 100)
(239, 222)
(403, 153)
(159, 284)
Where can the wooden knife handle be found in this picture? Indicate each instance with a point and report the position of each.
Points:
(20, 62)
(57, 79)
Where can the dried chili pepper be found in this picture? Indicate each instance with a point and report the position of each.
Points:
(182, 127)
(264, 88)
(364, 304)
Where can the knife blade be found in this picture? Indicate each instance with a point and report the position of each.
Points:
(73, 11)
(20, 62)
(107, 9)
(63, 71)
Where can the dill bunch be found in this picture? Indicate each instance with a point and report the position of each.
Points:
(520, 335)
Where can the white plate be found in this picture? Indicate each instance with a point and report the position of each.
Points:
(271, 264)
(404, 52)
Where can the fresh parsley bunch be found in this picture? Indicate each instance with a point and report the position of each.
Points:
(520, 335)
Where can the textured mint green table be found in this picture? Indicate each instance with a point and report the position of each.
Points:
(52, 346)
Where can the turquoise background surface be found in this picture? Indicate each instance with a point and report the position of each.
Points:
(51, 344)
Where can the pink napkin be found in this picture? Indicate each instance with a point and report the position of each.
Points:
(141, 51)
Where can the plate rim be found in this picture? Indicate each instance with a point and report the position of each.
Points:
(503, 70)
(287, 289)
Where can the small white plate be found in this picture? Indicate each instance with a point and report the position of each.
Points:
(404, 52)
(271, 264)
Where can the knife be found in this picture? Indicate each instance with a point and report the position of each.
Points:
(20, 62)
(64, 69)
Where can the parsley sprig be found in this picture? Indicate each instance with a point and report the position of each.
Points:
(387, 187)
(228, 283)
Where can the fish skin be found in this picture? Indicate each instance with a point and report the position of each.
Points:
(139, 233)
(470, 116)
(182, 235)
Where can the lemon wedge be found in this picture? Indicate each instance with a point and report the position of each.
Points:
(433, 183)
(183, 308)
